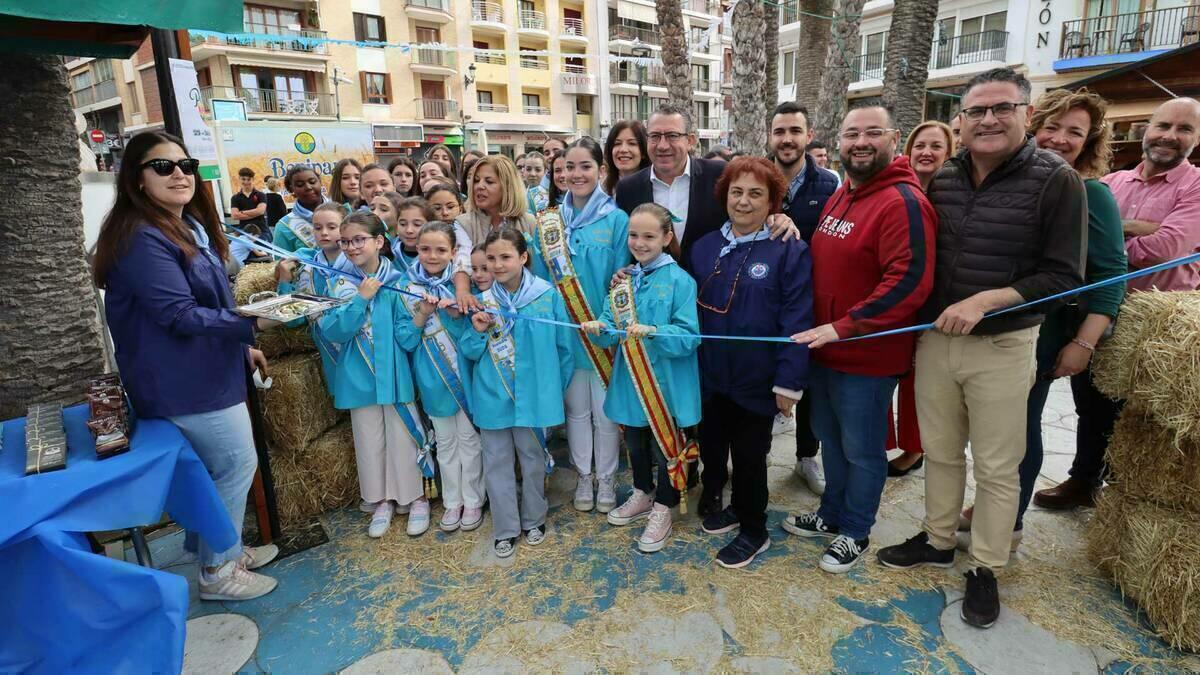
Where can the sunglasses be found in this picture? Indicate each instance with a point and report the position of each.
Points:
(166, 167)
(733, 289)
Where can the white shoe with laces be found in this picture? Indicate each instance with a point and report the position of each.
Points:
(843, 554)
(606, 494)
(381, 521)
(657, 532)
(232, 581)
(783, 424)
(811, 473)
(254, 557)
(637, 506)
(585, 499)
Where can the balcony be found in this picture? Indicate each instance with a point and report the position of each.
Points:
(867, 67)
(533, 24)
(631, 33)
(265, 103)
(575, 68)
(492, 108)
(700, 7)
(703, 85)
(628, 73)
(96, 93)
(987, 46)
(436, 108)
(707, 122)
(535, 62)
(1120, 38)
(437, 11)
(433, 61)
(572, 32)
(488, 17)
(536, 110)
(270, 38)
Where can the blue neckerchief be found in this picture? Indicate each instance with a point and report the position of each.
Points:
(531, 289)
(598, 206)
(202, 241)
(734, 242)
(638, 272)
(341, 262)
(306, 214)
(441, 286)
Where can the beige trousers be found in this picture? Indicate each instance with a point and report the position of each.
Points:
(386, 456)
(974, 389)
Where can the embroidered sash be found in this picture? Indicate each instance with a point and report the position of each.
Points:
(303, 230)
(553, 240)
(678, 450)
(441, 349)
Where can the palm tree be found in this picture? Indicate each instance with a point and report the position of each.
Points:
(51, 342)
(771, 47)
(749, 116)
(810, 53)
(840, 61)
(676, 67)
(908, 61)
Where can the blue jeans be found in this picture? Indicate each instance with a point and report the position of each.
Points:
(1031, 465)
(225, 443)
(849, 418)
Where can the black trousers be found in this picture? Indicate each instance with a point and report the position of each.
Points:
(806, 442)
(1097, 417)
(727, 429)
(644, 453)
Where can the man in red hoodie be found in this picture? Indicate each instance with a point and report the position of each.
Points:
(872, 258)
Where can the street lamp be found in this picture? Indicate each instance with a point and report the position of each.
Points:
(469, 78)
(642, 51)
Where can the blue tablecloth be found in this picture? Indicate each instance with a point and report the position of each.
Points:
(65, 609)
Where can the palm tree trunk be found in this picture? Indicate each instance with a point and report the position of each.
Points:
(907, 67)
(771, 47)
(840, 59)
(810, 53)
(675, 52)
(51, 337)
(749, 73)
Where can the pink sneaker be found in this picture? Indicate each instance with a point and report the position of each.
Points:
(451, 519)
(472, 518)
(657, 531)
(418, 517)
(636, 507)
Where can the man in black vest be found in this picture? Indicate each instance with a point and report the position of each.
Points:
(809, 187)
(1012, 229)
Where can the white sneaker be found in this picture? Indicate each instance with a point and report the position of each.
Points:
(810, 472)
(382, 520)
(637, 506)
(783, 424)
(657, 531)
(584, 498)
(472, 517)
(535, 535)
(451, 519)
(232, 581)
(418, 517)
(606, 494)
(254, 557)
(368, 507)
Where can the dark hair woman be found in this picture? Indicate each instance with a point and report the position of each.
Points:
(180, 346)
(624, 153)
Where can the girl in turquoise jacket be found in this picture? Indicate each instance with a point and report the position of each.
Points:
(373, 380)
(521, 369)
(294, 231)
(592, 241)
(664, 298)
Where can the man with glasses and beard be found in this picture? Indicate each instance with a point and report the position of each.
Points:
(1160, 211)
(1012, 228)
(872, 271)
(809, 187)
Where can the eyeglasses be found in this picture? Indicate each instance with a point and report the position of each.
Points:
(873, 134)
(357, 242)
(733, 289)
(670, 136)
(1000, 111)
(166, 167)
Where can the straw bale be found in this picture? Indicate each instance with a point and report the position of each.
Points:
(297, 408)
(283, 341)
(1147, 463)
(319, 478)
(1153, 358)
(1153, 555)
(254, 278)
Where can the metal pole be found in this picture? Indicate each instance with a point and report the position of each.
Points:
(165, 47)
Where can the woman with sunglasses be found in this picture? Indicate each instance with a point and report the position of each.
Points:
(180, 346)
(749, 284)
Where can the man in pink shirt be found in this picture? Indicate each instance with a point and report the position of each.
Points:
(1160, 210)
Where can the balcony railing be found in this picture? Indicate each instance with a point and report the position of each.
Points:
(629, 73)
(989, 45)
(492, 107)
(577, 68)
(435, 57)
(706, 85)
(439, 5)
(867, 67)
(273, 38)
(1130, 33)
(623, 32)
(273, 102)
(535, 62)
(707, 122)
(490, 12)
(701, 6)
(436, 108)
(533, 20)
(101, 91)
(536, 110)
(494, 59)
(573, 27)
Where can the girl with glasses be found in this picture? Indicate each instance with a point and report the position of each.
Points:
(294, 231)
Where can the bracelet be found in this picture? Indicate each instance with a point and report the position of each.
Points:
(1085, 345)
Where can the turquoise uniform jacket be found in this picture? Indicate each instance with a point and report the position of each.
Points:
(316, 282)
(667, 301)
(601, 249)
(543, 370)
(285, 238)
(436, 399)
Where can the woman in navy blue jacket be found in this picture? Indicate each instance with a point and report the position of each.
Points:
(749, 284)
(180, 346)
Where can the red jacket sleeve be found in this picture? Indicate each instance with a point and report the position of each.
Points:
(907, 241)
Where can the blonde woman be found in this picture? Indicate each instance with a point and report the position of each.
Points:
(497, 199)
(929, 145)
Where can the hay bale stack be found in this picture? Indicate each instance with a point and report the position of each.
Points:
(318, 478)
(1153, 554)
(298, 408)
(283, 341)
(254, 278)
(1147, 464)
(1153, 359)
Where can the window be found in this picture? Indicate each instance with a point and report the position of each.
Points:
(484, 97)
(81, 81)
(269, 20)
(787, 68)
(103, 70)
(369, 27)
(531, 100)
(376, 88)
(695, 35)
(982, 32)
(789, 12)
(873, 55)
(700, 116)
(625, 107)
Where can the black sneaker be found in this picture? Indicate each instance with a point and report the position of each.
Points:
(709, 504)
(721, 522)
(981, 606)
(741, 551)
(809, 525)
(913, 553)
(843, 554)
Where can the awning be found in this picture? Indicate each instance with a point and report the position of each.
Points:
(257, 61)
(1175, 70)
(637, 12)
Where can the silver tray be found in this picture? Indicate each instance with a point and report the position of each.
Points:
(268, 305)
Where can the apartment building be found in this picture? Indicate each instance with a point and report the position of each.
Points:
(105, 93)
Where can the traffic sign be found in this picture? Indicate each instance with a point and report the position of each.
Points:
(96, 135)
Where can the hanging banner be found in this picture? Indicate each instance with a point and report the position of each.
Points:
(196, 133)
